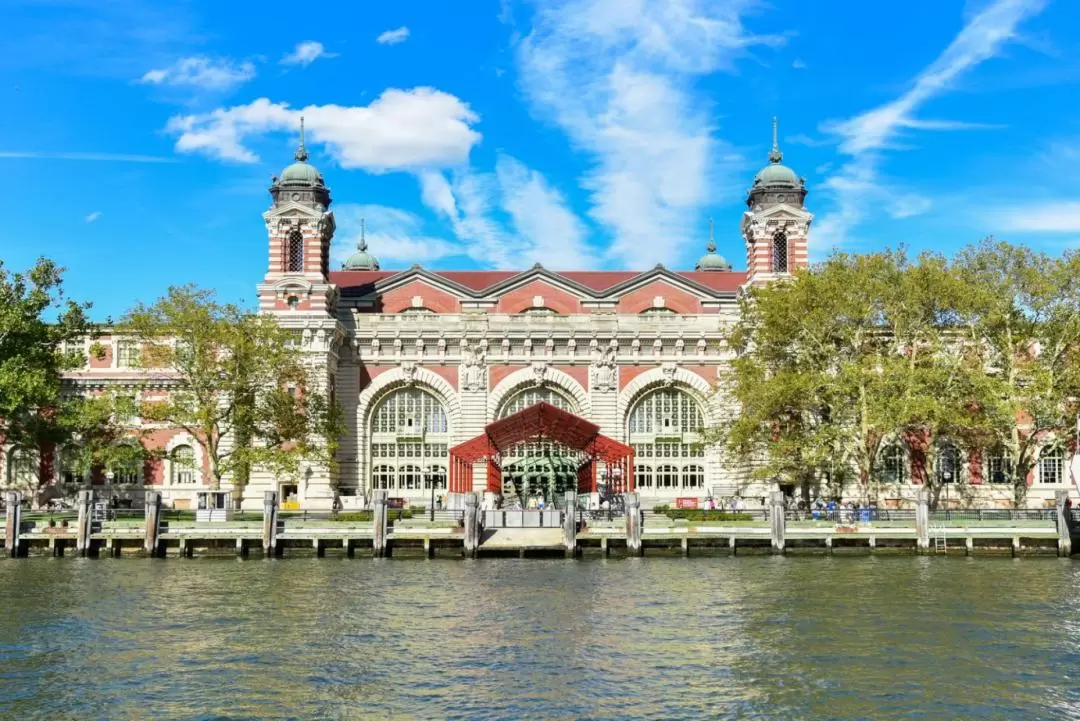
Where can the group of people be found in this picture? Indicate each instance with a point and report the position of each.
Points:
(831, 509)
(734, 504)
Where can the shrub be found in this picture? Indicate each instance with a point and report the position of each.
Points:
(698, 514)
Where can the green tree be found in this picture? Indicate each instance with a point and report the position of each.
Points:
(39, 330)
(1022, 318)
(239, 385)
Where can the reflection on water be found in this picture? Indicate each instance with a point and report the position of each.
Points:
(720, 638)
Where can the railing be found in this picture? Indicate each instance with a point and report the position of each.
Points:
(748, 514)
(523, 519)
(850, 515)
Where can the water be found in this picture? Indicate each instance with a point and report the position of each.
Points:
(657, 638)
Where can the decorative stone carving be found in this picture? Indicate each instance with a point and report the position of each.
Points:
(657, 347)
(540, 374)
(473, 368)
(408, 371)
(668, 369)
(604, 370)
(571, 349)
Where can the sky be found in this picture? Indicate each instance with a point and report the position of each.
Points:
(138, 139)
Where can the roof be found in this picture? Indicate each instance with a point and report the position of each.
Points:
(477, 281)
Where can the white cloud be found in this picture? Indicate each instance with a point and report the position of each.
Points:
(1058, 216)
(306, 53)
(413, 129)
(616, 76)
(858, 184)
(394, 236)
(798, 64)
(540, 227)
(201, 71)
(92, 216)
(393, 37)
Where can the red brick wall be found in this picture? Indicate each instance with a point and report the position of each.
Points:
(400, 299)
(642, 299)
(521, 299)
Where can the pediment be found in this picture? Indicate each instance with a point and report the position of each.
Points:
(292, 209)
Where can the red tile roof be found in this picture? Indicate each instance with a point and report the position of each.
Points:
(597, 280)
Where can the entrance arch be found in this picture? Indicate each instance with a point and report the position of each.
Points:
(542, 422)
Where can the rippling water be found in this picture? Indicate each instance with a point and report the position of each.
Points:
(668, 638)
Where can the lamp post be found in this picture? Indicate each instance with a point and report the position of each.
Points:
(429, 478)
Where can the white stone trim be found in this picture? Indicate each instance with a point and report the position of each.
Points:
(526, 378)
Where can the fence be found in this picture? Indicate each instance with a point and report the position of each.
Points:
(908, 514)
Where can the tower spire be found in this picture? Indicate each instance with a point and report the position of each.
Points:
(711, 247)
(362, 245)
(301, 152)
(775, 156)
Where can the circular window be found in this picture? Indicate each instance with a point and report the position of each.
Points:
(293, 301)
(781, 198)
(296, 196)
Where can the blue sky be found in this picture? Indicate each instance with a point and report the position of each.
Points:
(138, 139)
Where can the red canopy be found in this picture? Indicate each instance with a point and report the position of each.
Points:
(541, 421)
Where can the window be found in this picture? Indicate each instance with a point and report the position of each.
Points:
(296, 252)
(409, 432)
(780, 252)
(657, 311)
(530, 397)
(127, 354)
(182, 465)
(663, 427)
(539, 310)
(1052, 465)
(948, 465)
(418, 311)
(22, 467)
(71, 470)
(893, 464)
(999, 468)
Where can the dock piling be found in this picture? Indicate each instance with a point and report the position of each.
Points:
(13, 523)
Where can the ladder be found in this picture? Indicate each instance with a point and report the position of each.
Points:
(940, 542)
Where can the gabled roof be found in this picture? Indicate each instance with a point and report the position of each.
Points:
(479, 283)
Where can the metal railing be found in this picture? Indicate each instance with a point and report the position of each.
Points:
(848, 515)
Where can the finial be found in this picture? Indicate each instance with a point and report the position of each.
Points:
(362, 245)
(711, 247)
(775, 156)
(301, 152)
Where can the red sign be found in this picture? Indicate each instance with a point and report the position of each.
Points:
(686, 503)
(395, 502)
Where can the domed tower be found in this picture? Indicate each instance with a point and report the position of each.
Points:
(300, 227)
(712, 260)
(776, 225)
(361, 259)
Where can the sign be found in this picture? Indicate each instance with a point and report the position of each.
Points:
(395, 502)
(686, 503)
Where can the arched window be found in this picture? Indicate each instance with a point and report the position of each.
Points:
(780, 252)
(22, 467)
(539, 310)
(72, 470)
(657, 311)
(893, 464)
(410, 442)
(417, 310)
(663, 428)
(182, 465)
(296, 252)
(999, 467)
(531, 396)
(1052, 465)
(948, 465)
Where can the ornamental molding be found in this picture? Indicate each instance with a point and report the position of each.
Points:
(603, 374)
(526, 378)
(472, 375)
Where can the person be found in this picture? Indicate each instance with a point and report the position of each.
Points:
(438, 503)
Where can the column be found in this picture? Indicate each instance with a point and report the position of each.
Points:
(153, 522)
(380, 540)
(269, 527)
(13, 523)
(777, 521)
(82, 535)
(1063, 524)
(922, 520)
(633, 524)
(472, 524)
(570, 524)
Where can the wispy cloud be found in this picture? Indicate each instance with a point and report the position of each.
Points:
(203, 72)
(393, 37)
(306, 53)
(865, 137)
(90, 218)
(1045, 216)
(798, 64)
(102, 157)
(617, 76)
(400, 130)
(394, 236)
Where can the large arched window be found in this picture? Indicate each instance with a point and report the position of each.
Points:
(664, 427)
(892, 464)
(948, 465)
(410, 443)
(780, 252)
(531, 396)
(296, 252)
(1052, 465)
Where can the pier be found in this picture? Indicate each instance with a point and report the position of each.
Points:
(471, 532)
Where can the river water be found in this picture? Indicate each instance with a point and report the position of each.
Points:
(655, 638)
